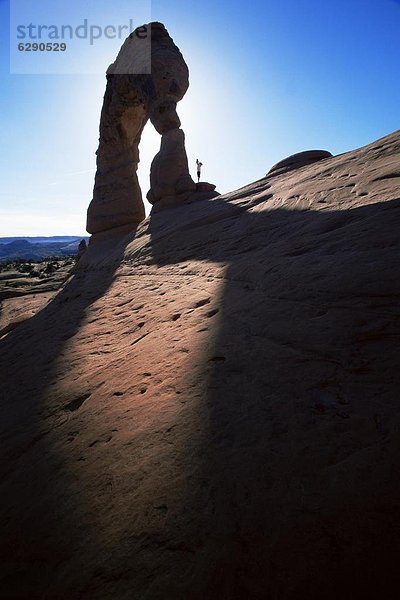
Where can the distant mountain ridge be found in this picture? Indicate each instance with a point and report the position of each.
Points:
(43, 239)
(38, 248)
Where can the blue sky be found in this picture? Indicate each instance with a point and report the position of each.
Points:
(268, 79)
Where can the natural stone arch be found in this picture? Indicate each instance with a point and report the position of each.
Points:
(131, 99)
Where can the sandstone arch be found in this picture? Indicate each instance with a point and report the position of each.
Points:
(145, 82)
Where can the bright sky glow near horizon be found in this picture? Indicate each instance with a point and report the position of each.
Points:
(267, 79)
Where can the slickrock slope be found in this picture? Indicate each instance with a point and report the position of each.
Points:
(24, 293)
(14, 311)
(210, 408)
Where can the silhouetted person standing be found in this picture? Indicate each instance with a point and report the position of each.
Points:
(199, 165)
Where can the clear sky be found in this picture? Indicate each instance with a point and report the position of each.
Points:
(268, 79)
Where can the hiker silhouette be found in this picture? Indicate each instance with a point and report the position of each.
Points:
(198, 166)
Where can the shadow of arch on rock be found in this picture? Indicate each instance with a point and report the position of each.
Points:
(293, 497)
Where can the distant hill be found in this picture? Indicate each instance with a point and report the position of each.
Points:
(38, 247)
(59, 239)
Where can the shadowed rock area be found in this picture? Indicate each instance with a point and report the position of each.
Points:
(209, 408)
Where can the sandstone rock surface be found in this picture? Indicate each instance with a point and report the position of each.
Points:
(23, 294)
(14, 311)
(209, 409)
